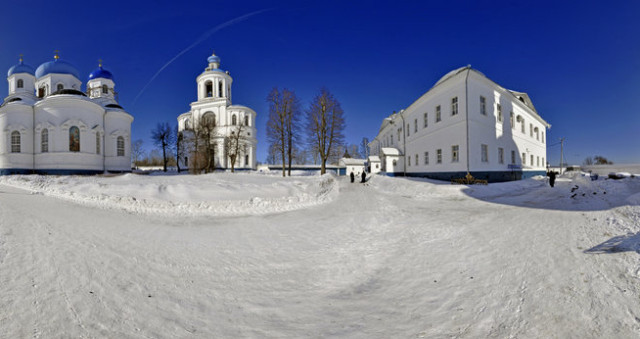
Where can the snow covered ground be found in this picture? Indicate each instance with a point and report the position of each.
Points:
(260, 256)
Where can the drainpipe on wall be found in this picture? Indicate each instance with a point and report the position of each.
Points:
(404, 146)
(33, 148)
(466, 99)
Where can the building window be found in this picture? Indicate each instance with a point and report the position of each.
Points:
(209, 120)
(537, 132)
(391, 139)
(513, 157)
(543, 163)
(483, 105)
(15, 142)
(511, 120)
(522, 126)
(417, 162)
(40, 92)
(220, 94)
(484, 153)
(499, 108)
(531, 160)
(246, 160)
(187, 124)
(415, 126)
(409, 157)
(531, 130)
(234, 120)
(59, 87)
(208, 89)
(524, 159)
(246, 120)
(438, 117)
(408, 129)
(439, 156)
(426, 120)
(105, 89)
(454, 105)
(399, 132)
(538, 161)
(426, 158)
(500, 155)
(44, 141)
(74, 139)
(97, 142)
(120, 146)
(454, 153)
(20, 83)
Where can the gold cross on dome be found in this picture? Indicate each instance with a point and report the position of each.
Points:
(21, 55)
(55, 54)
(99, 62)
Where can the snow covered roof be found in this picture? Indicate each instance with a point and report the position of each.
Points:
(352, 161)
(390, 151)
(374, 158)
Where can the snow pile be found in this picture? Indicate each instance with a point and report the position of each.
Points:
(220, 194)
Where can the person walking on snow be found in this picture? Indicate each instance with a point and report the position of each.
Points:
(364, 176)
(352, 176)
(552, 178)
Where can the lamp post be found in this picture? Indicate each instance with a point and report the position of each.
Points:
(404, 142)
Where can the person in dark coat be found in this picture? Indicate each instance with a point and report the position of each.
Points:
(364, 176)
(353, 177)
(552, 178)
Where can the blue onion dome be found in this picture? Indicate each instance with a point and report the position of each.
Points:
(100, 73)
(213, 58)
(20, 68)
(57, 66)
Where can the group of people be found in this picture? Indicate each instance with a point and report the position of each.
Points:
(364, 176)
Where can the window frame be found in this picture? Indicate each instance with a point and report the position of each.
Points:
(484, 153)
(16, 142)
(455, 153)
(120, 149)
(44, 140)
(454, 106)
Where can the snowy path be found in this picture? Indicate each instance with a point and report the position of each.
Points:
(392, 259)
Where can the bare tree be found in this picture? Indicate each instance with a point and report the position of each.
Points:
(325, 125)
(235, 145)
(137, 152)
(282, 126)
(163, 137)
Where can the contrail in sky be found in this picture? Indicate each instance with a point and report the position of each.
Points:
(202, 38)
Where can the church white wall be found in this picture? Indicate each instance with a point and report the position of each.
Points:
(28, 83)
(16, 117)
(117, 123)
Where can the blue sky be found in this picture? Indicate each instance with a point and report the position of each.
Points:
(579, 61)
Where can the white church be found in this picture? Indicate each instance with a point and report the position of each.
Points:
(50, 126)
(465, 123)
(214, 108)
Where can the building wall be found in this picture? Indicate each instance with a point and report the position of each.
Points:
(471, 133)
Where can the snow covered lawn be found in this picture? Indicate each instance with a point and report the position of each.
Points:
(258, 256)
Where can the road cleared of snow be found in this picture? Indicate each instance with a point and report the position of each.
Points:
(395, 258)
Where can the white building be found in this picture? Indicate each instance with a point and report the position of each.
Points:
(214, 106)
(48, 125)
(351, 165)
(465, 123)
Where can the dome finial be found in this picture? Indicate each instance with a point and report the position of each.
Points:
(20, 59)
(55, 54)
(100, 62)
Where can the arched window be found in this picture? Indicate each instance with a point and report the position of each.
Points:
(246, 120)
(234, 120)
(120, 146)
(15, 142)
(209, 120)
(511, 120)
(246, 160)
(59, 87)
(41, 92)
(187, 124)
(74, 139)
(44, 141)
(98, 143)
(105, 89)
(220, 89)
(20, 83)
(208, 89)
